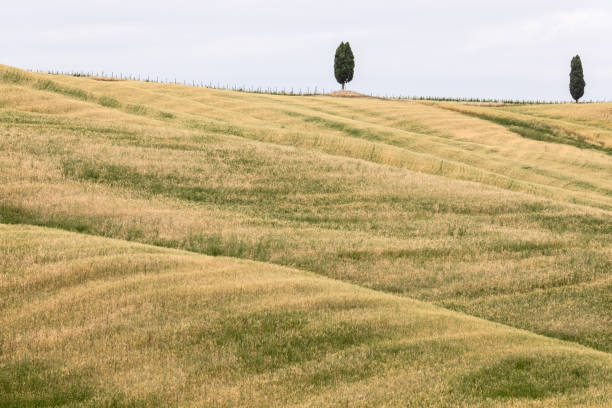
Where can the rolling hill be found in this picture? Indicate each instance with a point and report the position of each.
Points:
(177, 246)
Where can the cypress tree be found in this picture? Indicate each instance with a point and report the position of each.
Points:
(576, 79)
(344, 63)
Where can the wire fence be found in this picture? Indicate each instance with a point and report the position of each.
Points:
(314, 91)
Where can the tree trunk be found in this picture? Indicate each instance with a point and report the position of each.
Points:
(343, 86)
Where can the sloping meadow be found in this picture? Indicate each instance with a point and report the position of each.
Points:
(96, 322)
(416, 200)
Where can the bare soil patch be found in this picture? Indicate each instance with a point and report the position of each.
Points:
(348, 94)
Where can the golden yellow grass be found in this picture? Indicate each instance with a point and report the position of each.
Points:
(417, 136)
(97, 322)
(415, 199)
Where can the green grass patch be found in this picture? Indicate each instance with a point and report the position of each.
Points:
(14, 76)
(270, 340)
(137, 109)
(216, 244)
(184, 188)
(50, 86)
(535, 130)
(54, 123)
(11, 214)
(528, 377)
(339, 126)
(108, 102)
(36, 383)
(563, 223)
(165, 115)
(215, 128)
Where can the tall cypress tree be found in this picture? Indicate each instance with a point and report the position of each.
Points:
(344, 63)
(577, 83)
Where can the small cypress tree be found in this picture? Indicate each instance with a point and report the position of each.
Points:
(344, 63)
(577, 83)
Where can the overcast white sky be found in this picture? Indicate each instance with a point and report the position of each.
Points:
(475, 48)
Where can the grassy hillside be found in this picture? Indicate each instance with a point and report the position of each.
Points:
(96, 322)
(500, 212)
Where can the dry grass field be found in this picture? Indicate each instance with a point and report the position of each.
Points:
(165, 245)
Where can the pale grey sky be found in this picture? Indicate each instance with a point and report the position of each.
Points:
(475, 48)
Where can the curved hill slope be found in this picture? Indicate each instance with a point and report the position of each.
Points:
(500, 212)
(90, 322)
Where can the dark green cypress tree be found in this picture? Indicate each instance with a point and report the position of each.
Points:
(344, 63)
(577, 83)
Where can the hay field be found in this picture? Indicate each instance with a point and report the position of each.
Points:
(378, 228)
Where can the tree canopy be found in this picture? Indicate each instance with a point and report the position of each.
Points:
(344, 63)
(577, 83)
